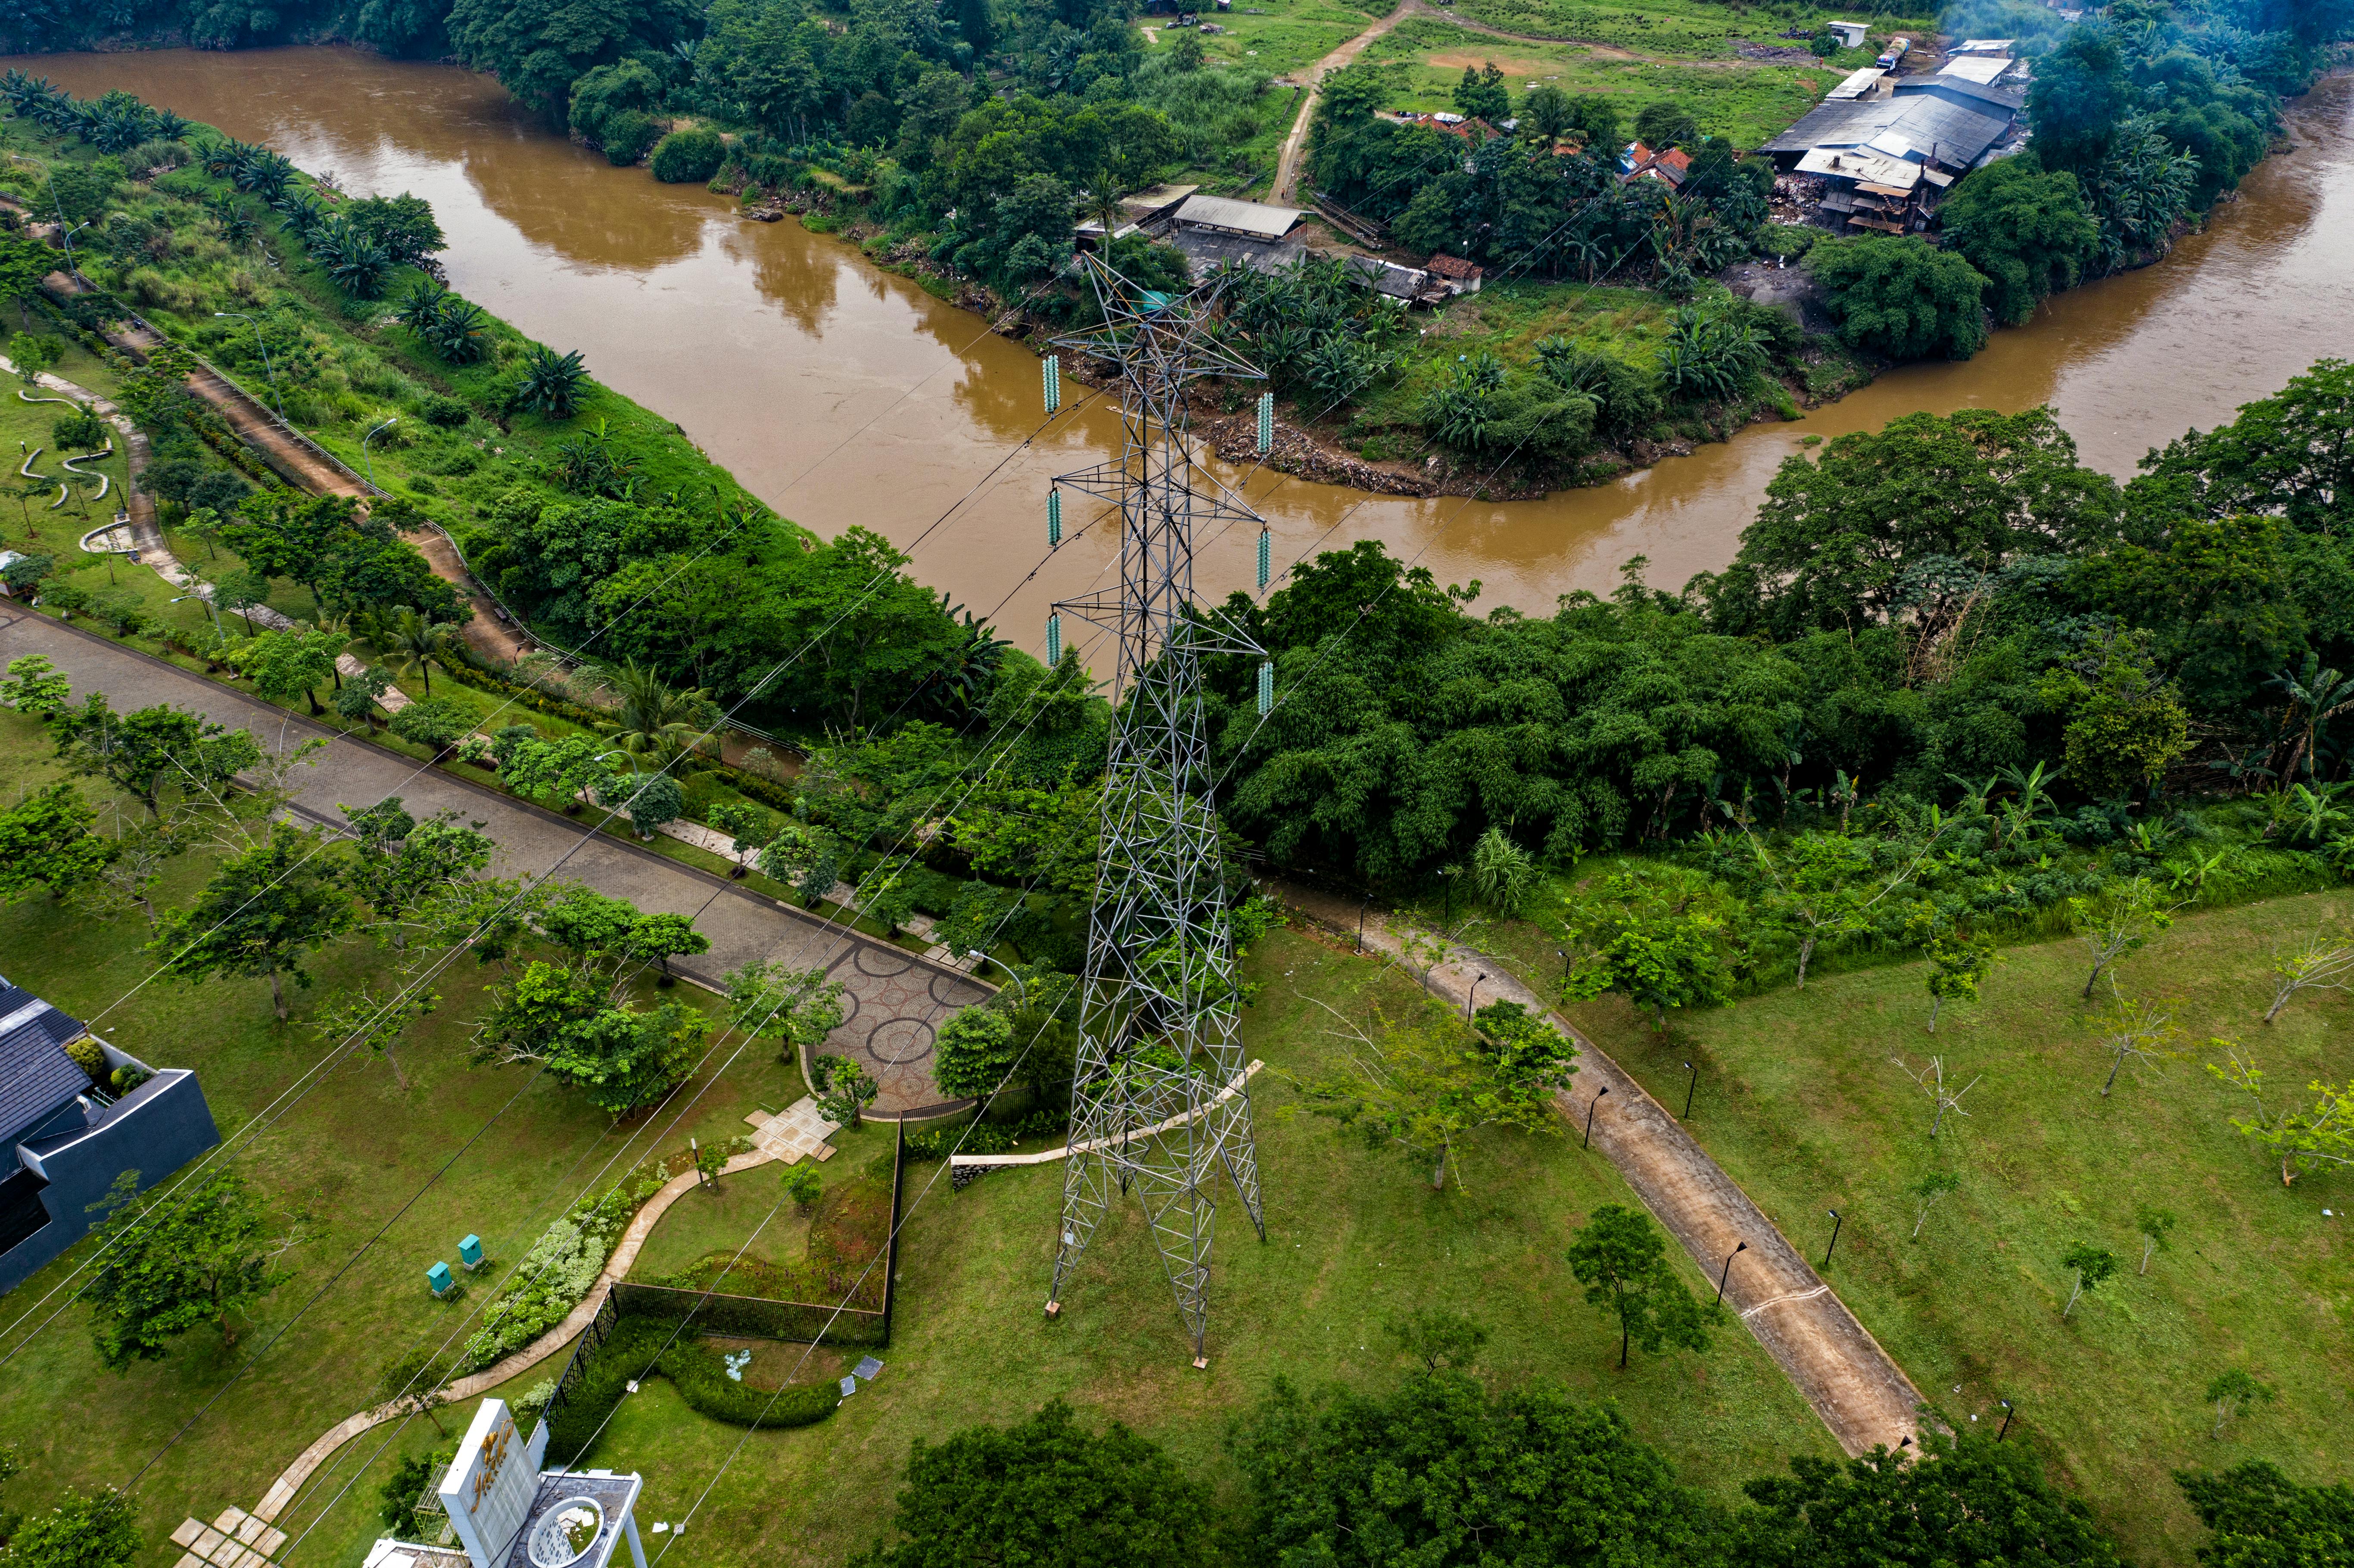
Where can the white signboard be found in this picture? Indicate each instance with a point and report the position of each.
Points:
(490, 1486)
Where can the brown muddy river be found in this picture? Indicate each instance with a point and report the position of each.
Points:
(843, 396)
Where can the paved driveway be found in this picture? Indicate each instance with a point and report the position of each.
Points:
(893, 998)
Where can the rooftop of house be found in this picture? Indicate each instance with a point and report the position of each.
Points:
(36, 1076)
(1445, 266)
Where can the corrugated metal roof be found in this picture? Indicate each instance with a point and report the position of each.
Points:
(1956, 121)
(1854, 163)
(1973, 95)
(1255, 219)
(1985, 69)
(1205, 251)
(36, 1076)
(1857, 84)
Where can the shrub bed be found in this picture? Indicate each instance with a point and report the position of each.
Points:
(640, 1348)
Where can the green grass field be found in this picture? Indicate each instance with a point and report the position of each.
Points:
(1747, 102)
(338, 1159)
(1355, 1238)
(1695, 29)
(1799, 1098)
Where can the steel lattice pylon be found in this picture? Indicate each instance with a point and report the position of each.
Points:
(1160, 1101)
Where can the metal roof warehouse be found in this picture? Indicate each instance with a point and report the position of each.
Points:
(1952, 121)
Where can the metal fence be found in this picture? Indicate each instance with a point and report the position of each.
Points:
(583, 1350)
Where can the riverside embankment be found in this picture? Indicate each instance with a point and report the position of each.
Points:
(842, 393)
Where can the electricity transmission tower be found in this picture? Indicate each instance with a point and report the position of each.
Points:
(1161, 1104)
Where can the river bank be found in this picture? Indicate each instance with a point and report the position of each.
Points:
(845, 395)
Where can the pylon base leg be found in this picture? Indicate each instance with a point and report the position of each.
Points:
(1201, 1363)
(1053, 1308)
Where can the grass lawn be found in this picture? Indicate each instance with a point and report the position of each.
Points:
(1799, 1098)
(1355, 1238)
(340, 1160)
(1748, 102)
(1280, 36)
(1698, 29)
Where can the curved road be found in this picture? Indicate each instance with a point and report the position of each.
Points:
(1856, 1388)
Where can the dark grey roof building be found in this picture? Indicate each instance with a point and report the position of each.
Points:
(66, 1137)
(1955, 122)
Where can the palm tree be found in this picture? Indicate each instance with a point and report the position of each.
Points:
(655, 719)
(414, 644)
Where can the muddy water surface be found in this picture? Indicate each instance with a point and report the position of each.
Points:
(843, 396)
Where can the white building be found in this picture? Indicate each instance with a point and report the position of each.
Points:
(507, 1512)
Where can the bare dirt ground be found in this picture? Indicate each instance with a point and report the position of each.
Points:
(1859, 1391)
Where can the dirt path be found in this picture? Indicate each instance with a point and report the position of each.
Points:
(1856, 1388)
(1287, 163)
(304, 466)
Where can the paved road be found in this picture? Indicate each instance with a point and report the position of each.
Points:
(895, 999)
(1856, 1388)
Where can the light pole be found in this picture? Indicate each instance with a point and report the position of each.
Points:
(1473, 997)
(275, 395)
(1689, 1088)
(364, 448)
(1597, 1100)
(1721, 1278)
(1362, 904)
(2007, 1413)
(1835, 1222)
(66, 235)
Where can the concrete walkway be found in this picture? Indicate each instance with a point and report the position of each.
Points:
(294, 1477)
(1856, 1388)
(892, 999)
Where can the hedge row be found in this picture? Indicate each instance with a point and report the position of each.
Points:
(636, 1350)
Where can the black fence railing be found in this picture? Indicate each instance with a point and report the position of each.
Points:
(584, 1352)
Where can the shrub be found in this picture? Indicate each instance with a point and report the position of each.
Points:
(445, 413)
(636, 1350)
(688, 157)
(437, 723)
(628, 135)
(87, 1055)
(559, 1270)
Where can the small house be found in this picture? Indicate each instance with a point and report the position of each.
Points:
(1214, 231)
(1851, 35)
(1461, 276)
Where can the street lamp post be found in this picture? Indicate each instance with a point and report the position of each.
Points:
(1721, 1278)
(2007, 1413)
(275, 395)
(1362, 904)
(1689, 1088)
(1472, 998)
(1597, 1100)
(365, 457)
(1835, 1222)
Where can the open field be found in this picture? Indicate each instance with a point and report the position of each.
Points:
(1696, 29)
(1279, 35)
(338, 1161)
(1798, 1100)
(1745, 101)
(1355, 1238)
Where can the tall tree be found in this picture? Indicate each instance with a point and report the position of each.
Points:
(1425, 1087)
(2028, 231)
(1622, 1260)
(89, 1530)
(2262, 1519)
(264, 912)
(45, 842)
(1440, 1474)
(151, 751)
(173, 1260)
(1046, 1490)
(1967, 1502)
